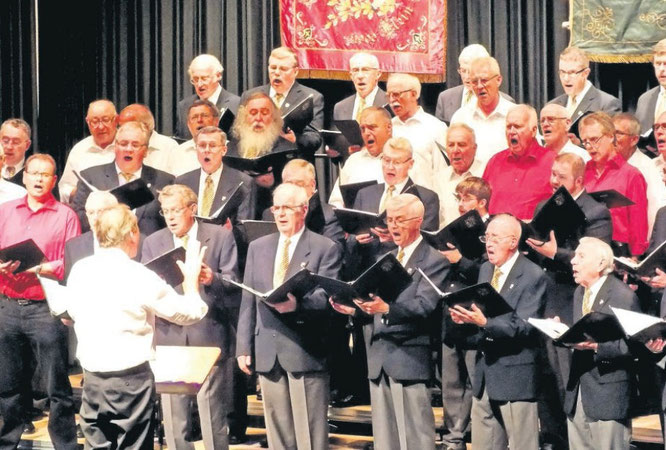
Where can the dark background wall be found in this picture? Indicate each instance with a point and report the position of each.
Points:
(138, 51)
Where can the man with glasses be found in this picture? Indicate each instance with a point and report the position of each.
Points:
(94, 150)
(131, 142)
(608, 170)
(518, 175)
(27, 328)
(652, 103)
(580, 97)
(8, 190)
(487, 115)
(178, 205)
(425, 132)
(286, 93)
(205, 72)
(399, 355)
(285, 343)
(555, 123)
(200, 114)
(504, 409)
(15, 140)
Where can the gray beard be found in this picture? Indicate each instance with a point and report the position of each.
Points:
(255, 144)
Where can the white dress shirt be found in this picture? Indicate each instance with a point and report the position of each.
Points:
(505, 269)
(83, 155)
(360, 166)
(215, 95)
(293, 242)
(114, 301)
(596, 287)
(184, 159)
(10, 191)
(579, 97)
(398, 189)
(490, 130)
(409, 250)
(121, 179)
(423, 131)
(160, 148)
(445, 187)
(369, 101)
(570, 147)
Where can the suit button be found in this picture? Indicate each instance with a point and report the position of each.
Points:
(274, 335)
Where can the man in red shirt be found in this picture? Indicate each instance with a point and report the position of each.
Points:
(519, 176)
(27, 328)
(608, 170)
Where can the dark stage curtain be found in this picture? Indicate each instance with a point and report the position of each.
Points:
(138, 51)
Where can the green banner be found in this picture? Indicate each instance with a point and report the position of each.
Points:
(617, 31)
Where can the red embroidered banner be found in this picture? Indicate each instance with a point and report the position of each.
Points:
(406, 35)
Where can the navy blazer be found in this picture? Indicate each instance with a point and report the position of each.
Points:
(226, 100)
(605, 378)
(297, 341)
(645, 107)
(105, 177)
(216, 329)
(450, 100)
(310, 140)
(400, 345)
(229, 179)
(594, 100)
(508, 346)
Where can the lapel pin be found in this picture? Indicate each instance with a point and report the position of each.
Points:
(511, 286)
(223, 198)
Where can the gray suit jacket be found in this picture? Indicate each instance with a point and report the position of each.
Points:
(344, 109)
(605, 378)
(645, 107)
(594, 100)
(310, 140)
(297, 341)
(506, 362)
(105, 177)
(226, 100)
(450, 100)
(400, 344)
(217, 327)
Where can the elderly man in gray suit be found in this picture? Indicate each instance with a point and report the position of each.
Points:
(285, 343)
(653, 102)
(179, 206)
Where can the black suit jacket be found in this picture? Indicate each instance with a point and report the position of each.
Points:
(658, 230)
(645, 107)
(18, 178)
(594, 100)
(309, 140)
(604, 378)
(450, 100)
(229, 180)
(217, 327)
(296, 340)
(400, 344)
(508, 346)
(226, 100)
(105, 177)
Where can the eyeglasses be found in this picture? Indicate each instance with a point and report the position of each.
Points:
(464, 198)
(622, 133)
(40, 174)
(288, 209)
(106, 120)
(134, 145)
(659, 127)
(172, 212)
(592, 142)
(9, 141)
(571, 73)
(493, 239)
(205, 79)
(400, 221)
(392, 162)
(392, 95)
(274, 68)
(209, 146)
(482, 81)
(202, 116)
(545, 120)
(357, 70)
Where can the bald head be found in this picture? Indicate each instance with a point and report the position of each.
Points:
(137, 112)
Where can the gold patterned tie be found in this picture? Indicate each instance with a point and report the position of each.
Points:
(127, 176)
(587, 301)
(207, 199)
(496, 277)
(278, 100)
(185, 239)
(572, 106)
(401, 255)
(359, 110)
(11, 170)
(468, 97)
(387, 197)
(281, 269)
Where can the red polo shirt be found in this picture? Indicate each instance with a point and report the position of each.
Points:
(519, 183)
(630, 223)
(50, 227)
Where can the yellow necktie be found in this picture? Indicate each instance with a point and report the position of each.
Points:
(661, 106)
(401, 255)
(572, 106)
(359, 110)
(278, 100)
(11, 170)
(127, 176)
(587, 301)
(207, 199)
(468, 98)
(387, 197)
(496, 277)
(185, 239)
(281, 270)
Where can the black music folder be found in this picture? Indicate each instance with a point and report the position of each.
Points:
(442, 150)
(299, 285)
(165, 266)
(254, 229)
(350, 191)
(463, 233)
(354, 221)
(134, 194)
(227, 118)
(387, 107)
(261, 164)
(230, 206)
(594, 326)
(351, 131)
(640, 327)
(482, 295)
(386, 278)
(647, 266)
(299, 116)
(611, 198)
(560, 214)
(26, 252)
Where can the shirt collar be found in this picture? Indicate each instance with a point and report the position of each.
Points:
(370, 98)
(398, 187)
(582, 93)
(271, 93)
(213, 98)
(409, 250)
(596, 287)
(136, 174)
(509, 263)
(501, 110)
(292, 239)
(417, 117)
(49, 204)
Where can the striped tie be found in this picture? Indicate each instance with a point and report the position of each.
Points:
(281, 270)
(278, 100)
(185, 239)
(387, 197)
(587, 301)
(572, 106)
(496, 277)
(207, 198)
(127, 176)
(401, 255)
(359, 110)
